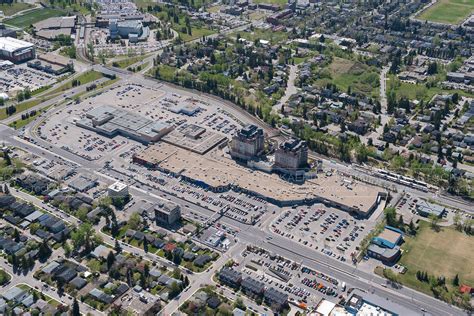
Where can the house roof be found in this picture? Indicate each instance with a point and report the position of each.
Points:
(100, 252)
(202, 260)
(78, 282)
(276, 296)
(213, 302)
(13, 293)
(252, 285)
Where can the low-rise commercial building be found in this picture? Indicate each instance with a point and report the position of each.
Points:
(118, 190)
(129, 29)
(426, 209)
(386, 255)
(390, 237)
(15, 50)
(167, 213)
(111, 121)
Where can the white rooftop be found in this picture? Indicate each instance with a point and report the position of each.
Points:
(11, 44)
(325, 307)
(118, 186)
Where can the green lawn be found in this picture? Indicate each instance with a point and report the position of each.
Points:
(20, 123)
(10, 9)
(20, 107)
(33, 16)
(448, 11)
(345, 73)
(84, 78)
(196, 32)
(418, 91)
(269, 35)
(444, 253)
(198, 29)
(125, 62)
(281, 3)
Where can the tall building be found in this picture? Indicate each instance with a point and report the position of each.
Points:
(248, 143)
(292, 157)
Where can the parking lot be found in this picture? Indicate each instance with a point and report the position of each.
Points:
(20, 77)
(299, 282)
(124, 47)
(407, 207)
(150, 102)
(239, 206)
(329, 230)
(89, 145)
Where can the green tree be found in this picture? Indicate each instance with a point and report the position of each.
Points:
(174, 290)
(44, 251)
(67, 249)
(110, 260)
(117, 247)
(457, 221)
(456, 280)
(434, 221)
(391, 216)
(75, 308)
(390, 275)
(83, 236)
(134, 221)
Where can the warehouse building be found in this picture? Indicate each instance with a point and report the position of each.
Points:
(247, 144)
(15, 50)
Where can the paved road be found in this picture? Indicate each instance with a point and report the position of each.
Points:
(290, 89)
(21, 277)
(61, 97)
(342, 271)
(200, 280)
